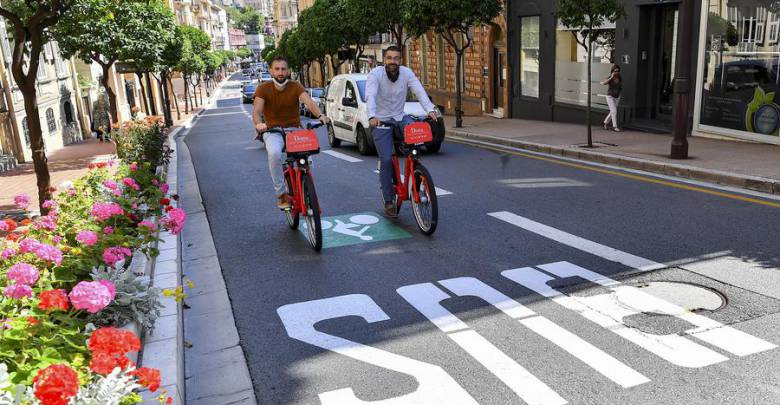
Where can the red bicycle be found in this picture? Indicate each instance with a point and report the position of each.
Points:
(300, 145)
(415, 184)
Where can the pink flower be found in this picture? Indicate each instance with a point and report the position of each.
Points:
(174, 221)
(149, 225)
(110, 184)
(164, 188)
(28, 245)
(49, 204)
(155, 182)
(49, 253)
(8, 323)
(108, 230)
(18, 291)
(117, 192)
(87, 238)
(57, 239)
(8, 253)
(91, 296)
(110, 286)
(48, 223)
(22, 201)
(4, 226)
(72, 192)
(113, 255)
(130, 182)
(23, 273)
(104, 211)
(133, 166)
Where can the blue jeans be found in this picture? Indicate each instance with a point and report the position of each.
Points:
(383, 140)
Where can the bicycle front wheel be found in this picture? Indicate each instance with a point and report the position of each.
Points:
(426, 210)
(292, 215)
(313, 224)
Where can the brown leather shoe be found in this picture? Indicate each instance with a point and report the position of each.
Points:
(390, 210)
(284, 202)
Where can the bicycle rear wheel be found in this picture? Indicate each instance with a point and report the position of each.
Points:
(313, 224)
(426, 211)
(292, 216)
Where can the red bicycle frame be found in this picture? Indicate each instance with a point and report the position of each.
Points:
(402, 187)
(294, 173)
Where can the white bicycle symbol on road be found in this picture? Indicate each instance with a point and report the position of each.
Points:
(348, 229)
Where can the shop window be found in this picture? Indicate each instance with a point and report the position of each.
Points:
(441, 75)
(740, 74)
(571, 69)
(50, 121)
(529, 56)
(423, 59)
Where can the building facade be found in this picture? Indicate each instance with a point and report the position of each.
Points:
(485, 78)
(59, 104)
(237, 38)
(256, 43)
(285, 17)
(735, 70)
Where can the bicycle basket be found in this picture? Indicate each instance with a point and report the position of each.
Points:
(302, 141)
(418, 132)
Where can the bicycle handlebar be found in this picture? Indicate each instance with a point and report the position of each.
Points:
(392, 124)
(314, 126)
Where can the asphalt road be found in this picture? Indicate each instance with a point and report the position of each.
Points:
(544, 283)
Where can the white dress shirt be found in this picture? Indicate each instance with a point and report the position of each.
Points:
(386, 99)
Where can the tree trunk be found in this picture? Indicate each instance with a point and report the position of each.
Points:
(111, 95)
(152, 104)
(322, 71)
(458, 88)
(163, 82)
(143, 92)
(172, 91)
(587, 120)
(200, 90)
(186, 95)
(37, 144)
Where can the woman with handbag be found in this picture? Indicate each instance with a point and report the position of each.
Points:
(615, 83)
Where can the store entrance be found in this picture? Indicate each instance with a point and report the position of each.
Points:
(657, 54)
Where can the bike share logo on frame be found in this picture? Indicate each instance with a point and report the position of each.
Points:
(302, 141)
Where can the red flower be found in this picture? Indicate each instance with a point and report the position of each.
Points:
(168, 208)
(165, 201)
(11, 224)
(91, 166)
(148, 377)
(56, 384)
(12, 237)
(53, 300)
(32, 321)
(176, 197)
(114, 341)
(26, 221)
(52, 189)
(102, 363)
(169, 401)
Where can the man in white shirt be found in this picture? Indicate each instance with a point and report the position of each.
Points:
(386, 90)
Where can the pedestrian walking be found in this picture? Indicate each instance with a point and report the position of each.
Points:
(101, 117)
(615, 83)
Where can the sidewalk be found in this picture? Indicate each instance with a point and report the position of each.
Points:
(736, 163)
(68, 163)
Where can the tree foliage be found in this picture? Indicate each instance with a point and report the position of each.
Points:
(247, 19)
(243, 53)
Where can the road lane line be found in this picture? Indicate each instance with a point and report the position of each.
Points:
(342, 156)
(647, 177)
(579, 243)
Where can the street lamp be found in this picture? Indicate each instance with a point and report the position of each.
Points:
(682, 81)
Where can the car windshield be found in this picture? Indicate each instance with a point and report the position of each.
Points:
(250, 88)
(265, 74)
(316, 92)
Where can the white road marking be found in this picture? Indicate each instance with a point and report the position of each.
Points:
(577, 242)
(600, 361)
(609, 310)
(543, 182)
(434, 386)
(342, 156)
(426, 298)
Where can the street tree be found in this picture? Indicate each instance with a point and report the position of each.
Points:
(586, 18)
(193, 64)
(169, 62)
(243, 53)
(267, 54)
(365, 22)
(28, 23)
(247, 19)
(454, 20)
(104, 32)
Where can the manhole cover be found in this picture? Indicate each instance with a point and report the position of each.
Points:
(692, 297)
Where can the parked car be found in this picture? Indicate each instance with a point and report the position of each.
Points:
(265, 76)
(316, 94)
(248, 92)
(346, 107)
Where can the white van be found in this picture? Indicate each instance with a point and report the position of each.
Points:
(345, 103)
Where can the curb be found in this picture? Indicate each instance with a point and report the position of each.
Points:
(754, 183)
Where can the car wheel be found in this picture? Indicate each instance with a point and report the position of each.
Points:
(332, 140)
(364, 145)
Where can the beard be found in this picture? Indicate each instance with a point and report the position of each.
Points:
(393, 72)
